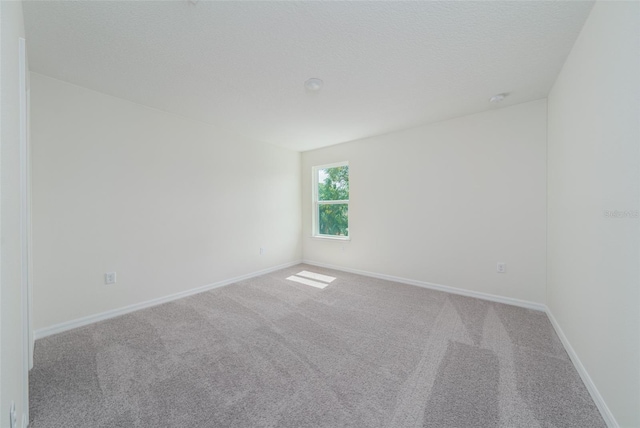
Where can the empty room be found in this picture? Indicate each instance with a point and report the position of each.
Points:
(320, 214)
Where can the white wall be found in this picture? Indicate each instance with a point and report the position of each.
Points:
(593, 166)
(168, 203)
(12, 28)
(443, 203)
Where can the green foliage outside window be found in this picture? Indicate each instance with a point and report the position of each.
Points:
(333, 185)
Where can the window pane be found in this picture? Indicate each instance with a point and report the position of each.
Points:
(333, 184)
(333, 219)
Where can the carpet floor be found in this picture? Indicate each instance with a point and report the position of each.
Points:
(273, 352)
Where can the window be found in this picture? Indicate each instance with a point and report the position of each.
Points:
(331, 201)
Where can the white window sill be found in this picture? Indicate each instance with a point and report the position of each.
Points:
(331, 238)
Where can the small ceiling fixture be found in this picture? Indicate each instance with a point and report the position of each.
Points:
(313, 84)
(497, 98)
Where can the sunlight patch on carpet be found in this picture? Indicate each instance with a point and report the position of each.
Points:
(311, 278)
(316, 276)
(307, 281)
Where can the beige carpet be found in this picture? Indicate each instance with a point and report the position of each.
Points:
(272, 352)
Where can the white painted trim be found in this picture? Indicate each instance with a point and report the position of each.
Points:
(330, 165)
(29, 222)
(69, 325)
(608, 417)
(584, 375)
(24, 225)
(314, 201)
(331, 238)
(439, 287)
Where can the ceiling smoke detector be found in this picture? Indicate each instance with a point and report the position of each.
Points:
(497, 98)
(313, 84)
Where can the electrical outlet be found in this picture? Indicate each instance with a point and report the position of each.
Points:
(501, 267)
(262, 251)
(110, 278)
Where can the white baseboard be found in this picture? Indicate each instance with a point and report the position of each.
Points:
(608, 417)
(586, 379)
(69, 325)
(595, 394)
(439, 287)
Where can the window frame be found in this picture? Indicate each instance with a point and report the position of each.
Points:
(315, 203)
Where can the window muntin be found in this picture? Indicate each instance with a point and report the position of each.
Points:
(331, 201)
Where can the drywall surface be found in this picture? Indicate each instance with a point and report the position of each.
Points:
(594, 197)
(167, 203)
(445, 202)
(11, 359)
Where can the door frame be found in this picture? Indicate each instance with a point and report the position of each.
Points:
(25, 228)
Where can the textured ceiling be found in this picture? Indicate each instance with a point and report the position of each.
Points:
(242, 65)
